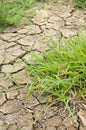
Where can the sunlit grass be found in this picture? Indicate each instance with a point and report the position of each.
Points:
(61, 71)
(12, 11)
(80, 3)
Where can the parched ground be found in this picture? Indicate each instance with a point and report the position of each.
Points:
(17, 111)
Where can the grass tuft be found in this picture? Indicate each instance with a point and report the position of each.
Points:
(80, 3)
(61, 71)
(11, 11)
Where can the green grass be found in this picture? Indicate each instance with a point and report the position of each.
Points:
(11, 11)
(80, 3)
(61, 71)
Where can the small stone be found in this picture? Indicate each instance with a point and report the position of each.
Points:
(82, 116)
(2, 98)
(12, 94)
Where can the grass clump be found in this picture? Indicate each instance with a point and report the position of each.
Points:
(80, 3)
(61, 71)
(11, 11)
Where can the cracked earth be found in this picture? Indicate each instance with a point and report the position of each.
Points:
(17, 111)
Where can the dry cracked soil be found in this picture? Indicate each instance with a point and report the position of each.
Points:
(17, 111)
